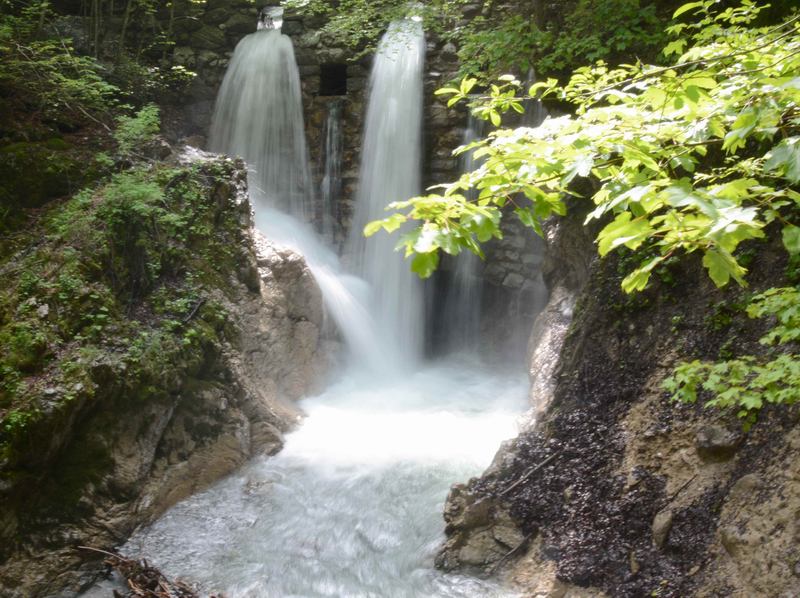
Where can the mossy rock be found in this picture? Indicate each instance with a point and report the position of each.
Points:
(33, 173)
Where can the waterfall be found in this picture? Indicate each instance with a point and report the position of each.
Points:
(462, 305)
(331, 184)
(259, 116)
(352, 505)
(535, 112)
(390, 171)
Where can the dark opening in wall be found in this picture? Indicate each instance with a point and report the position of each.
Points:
(333, 80)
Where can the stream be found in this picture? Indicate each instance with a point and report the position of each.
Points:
(352, 506)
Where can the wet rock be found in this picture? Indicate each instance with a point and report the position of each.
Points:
(207, 38)
(217, 16)
(134, 447)
(662, 523)
(240, 24)
(293, 27)
(717, 443)
(513, 280)
(449, 52)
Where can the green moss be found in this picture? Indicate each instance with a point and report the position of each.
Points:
(119, 275)
(33, 173)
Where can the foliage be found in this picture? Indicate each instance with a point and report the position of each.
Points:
(358, 24)
(583, 32)
(133, 133)
(501, 37)
(117, 275)
(748, 383)
(45, 74)
(600, 29)
(692, 158)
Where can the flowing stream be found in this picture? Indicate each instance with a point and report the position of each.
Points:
(352, 506)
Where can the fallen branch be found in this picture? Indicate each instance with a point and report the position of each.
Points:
(191, 315)
(512, 552)
(529, 473)
(144, 580)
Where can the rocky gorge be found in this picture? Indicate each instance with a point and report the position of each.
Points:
(612, 490)
(180, 382)
(96, 465)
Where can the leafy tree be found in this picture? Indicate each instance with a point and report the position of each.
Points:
(687, 159)
(498, 37)
(45, 76)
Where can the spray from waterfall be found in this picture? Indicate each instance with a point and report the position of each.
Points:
(259, 116)
(390, 171)
(352, 504)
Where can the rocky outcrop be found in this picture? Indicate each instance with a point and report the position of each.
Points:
(614, 490)
(482, 535)
(141, 444)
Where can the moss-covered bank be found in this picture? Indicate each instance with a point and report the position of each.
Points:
(150, 349)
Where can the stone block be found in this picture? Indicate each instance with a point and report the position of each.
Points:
(240, 24)
(216, 16)
(717, 443)
(207, 38)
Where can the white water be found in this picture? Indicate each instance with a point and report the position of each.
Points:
(390, 171)
(462, 307)
(259, 116)
(352, 505)
(331, 184)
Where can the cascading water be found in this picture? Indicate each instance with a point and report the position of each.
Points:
(462, 305)
(259, 116)
(352, 505)
(331, 184)
(390, 171)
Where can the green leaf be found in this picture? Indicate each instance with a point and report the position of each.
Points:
(373, 227)
(686, 8)
(791, 238)
(722, 266)
(638, 279)
(467, 84)
(675, 47)
(623, 231)
(785, 157)
(424, 264)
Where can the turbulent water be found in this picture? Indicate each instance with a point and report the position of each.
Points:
(352, 505)
(390, 171)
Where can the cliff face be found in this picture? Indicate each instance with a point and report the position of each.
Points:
(614, 490)
(140, 437)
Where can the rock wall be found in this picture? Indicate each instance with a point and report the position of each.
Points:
(139, 446)
(614, 490)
